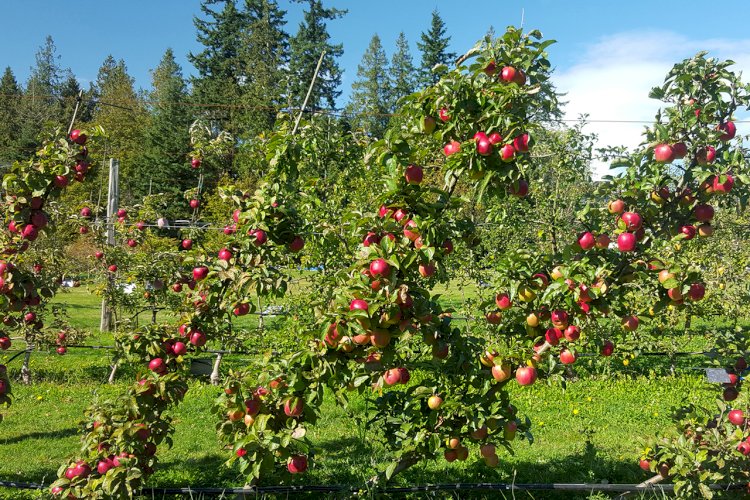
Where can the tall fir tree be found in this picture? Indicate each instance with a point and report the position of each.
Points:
(434, 46)
(219, 78)
(122, 114)
(264, 55)
(40, 107)
(162, 164)
(371, 93)
(10, 97)
(403, 73)
(306, 45)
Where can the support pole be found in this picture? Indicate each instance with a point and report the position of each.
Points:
(105, 324)
(309, 91)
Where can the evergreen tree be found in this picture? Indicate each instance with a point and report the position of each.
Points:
(40, 106)
(162, 164)
(403, 73)
(219, 77)
(434, 47)
(264, 55)
(121, 113)
(311, 40)
(10, 97)
(69, 90)
(371, 93)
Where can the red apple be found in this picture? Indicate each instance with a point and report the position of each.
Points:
(521, 143)
(293, 407)
(632, 221)
(187, 244)
(737, 417)
(225, 254)
(526, 375)
(507, 153)
(413, 174)
(260, 237)
(493, 317)
(379, 267)
(358, 305)
(616, 206)
(296, 244)
(705, 155)
(697, 291)
(157, 365)
(703, 212)
(195, 203)
(451, 148)
(689, 231)
(603, 241)
(723, 187)
(200, 273)
(586, 240)
(663, 153)
(444, 114)
(567, 357)
(608, 348)
(679, 150)
(495, 138)
(729, 131)
(198, 339)
(484, 147)
(392, 376)
(626, 242)
(503, 301)
(629, 323)
(297, 464)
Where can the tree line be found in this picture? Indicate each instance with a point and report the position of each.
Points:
(250, 67)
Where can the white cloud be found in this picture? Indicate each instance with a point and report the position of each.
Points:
(612, 79)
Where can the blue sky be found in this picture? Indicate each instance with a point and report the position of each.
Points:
(609, 53)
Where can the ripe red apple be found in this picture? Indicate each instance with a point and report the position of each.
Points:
(225, 254)
(427, 270)
(559, 318)
(572, 333)
(608, 348)
(157, 365)
(697, 291)
(723, 187)
(679, 150)
(484, 147)
(195, 162)
(86, 212)
(629, 323)
(260, 237)
(490, 69)
(434, 402)
(358, 305)
(62, 350)
(448, 246)
(616, 206)
(632, 221)
(297, 464)
(567, 357)
(371, 239)
(675, 294)
(78, 137)
(586, 240)
(508, 74)
(521, 143)
(392, 376)
(626, 242)
(413, 174)
(451, 148)
(663, 153)
(444, 114)
(140, 225)
(198, 339)
(194, 203)
(519, 189)
(737, 417)
(705, 155)
(493, 317)
(501, 373)
(200, 273)
(187, 244)
(603, 241)
(507, 153)
(689, 231)
(729, 129)
(293, 407)
(132, 243)
(503, 301)
(703, 212)
(744, 448)
(526, 375)
(495, 138)
(410, 230)
(730, 394)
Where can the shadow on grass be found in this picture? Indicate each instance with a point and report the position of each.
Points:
(62, 433)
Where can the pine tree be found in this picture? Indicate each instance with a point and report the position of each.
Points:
(40, 106)
(371, 93)
(264, 56)
(10, 96)
(120, 111)
(219, 77)
(403, 73)
(69, 90)
(162, 164)
(434, 47)
(311, 40)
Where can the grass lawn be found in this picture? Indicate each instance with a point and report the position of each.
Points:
(587, 431)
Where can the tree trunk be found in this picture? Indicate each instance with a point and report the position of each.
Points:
(25, 370)
(215, 376)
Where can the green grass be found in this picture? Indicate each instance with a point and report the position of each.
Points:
(590, 430)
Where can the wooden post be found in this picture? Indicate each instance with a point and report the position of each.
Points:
(105, 324)
(309, 91)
